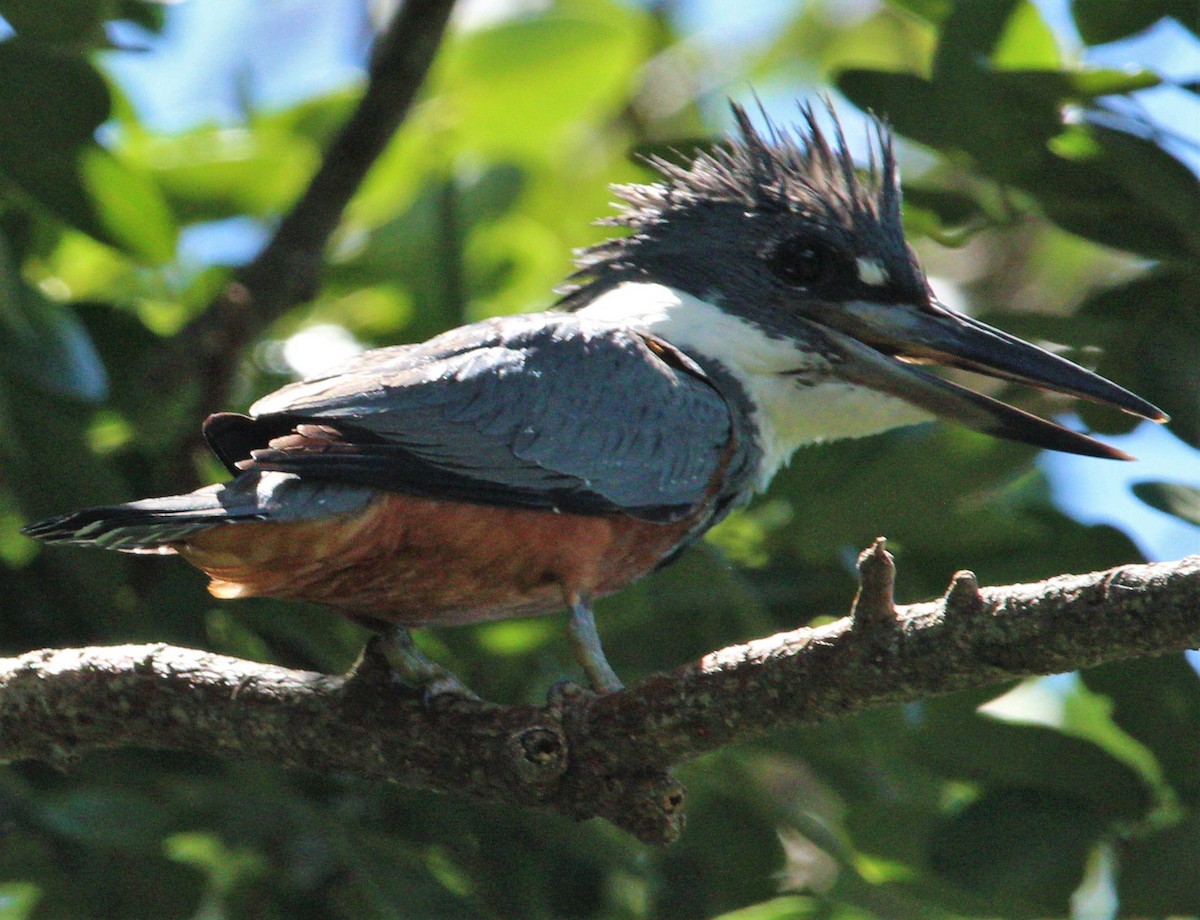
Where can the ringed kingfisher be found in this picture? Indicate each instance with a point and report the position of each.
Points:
(762, 298)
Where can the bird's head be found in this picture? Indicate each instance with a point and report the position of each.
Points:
(778, 257)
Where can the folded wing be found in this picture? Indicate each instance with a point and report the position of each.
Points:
(547, 411)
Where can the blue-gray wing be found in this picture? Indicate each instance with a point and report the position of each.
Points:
(549, 410)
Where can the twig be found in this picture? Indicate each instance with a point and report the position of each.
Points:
(585, 756)
(288, 269)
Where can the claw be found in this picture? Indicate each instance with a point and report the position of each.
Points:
(412, 666)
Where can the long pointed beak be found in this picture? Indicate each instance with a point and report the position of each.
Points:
(885, 342)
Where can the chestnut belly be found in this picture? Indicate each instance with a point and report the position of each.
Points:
(415, 561)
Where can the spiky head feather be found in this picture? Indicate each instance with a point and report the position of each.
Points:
(804, 172)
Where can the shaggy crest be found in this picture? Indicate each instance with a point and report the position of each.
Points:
(800, 170)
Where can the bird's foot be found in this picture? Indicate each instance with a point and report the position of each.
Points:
(585, 643)
(414, 668)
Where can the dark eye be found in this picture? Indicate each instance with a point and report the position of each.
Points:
(803, 260)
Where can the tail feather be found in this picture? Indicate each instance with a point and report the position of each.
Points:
(148, 526)
(156, 525)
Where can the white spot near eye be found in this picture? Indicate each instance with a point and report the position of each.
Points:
(871, 271)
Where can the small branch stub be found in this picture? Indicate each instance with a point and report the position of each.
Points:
(874, 605)
(963, 597)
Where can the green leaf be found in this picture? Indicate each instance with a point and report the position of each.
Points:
(1101, 21)
(970, 35)
(1159, 874)
(882, 41)
(1027, 42)
(225, 867)
(130, 206)
(1156, 196)
(149, 14)
(933, 11)
(51, 103)
(913, 104)
(1055, 87)
(788, 908)
(950, 217)
(1000, 754)
(1154, 342)
(211, 173)
(106, 817)
(44, 342)
(1091, 83)
(1157, 701)
(1172, 497)
(78, 22)
(992, 116)
(583, 58)
(18, 900)
(1026, 850)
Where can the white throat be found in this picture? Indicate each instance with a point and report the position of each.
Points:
(787, 413)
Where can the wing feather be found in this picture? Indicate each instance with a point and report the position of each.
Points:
(547, 410)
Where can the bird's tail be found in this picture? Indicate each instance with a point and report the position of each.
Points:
(152, 525)
(157, 525)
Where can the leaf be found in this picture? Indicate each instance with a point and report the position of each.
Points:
(212, 173)
(1156, 193)
(1088, 199)
(1159, 875)
(933, 11)
(1027, 42)
(78, 22)
(1054, 87)
(789, 908)
(106, 817)
(968, 36)
(1026, 850)
(979, 749)
(1171, 497)
(913, 104)
(1089, 83)
(1154, 342)
(583, 58)
(1101, 21)
(948, 216)
(992, 116)
(1157, 701)
(18, 900)
(130, 206)
(882, 41)
(51, 103)
(44, 342)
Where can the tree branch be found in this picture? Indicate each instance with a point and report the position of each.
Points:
(287, 271)
(582, 755)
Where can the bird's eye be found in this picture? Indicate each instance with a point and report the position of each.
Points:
(803, 261)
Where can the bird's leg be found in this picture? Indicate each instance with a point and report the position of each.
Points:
(585, 643)
(413, 667)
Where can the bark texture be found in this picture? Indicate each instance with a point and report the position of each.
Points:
(582, 755)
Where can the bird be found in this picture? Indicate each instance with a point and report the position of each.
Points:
(757, 297)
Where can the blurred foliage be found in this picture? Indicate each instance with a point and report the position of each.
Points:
(1072, 220)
